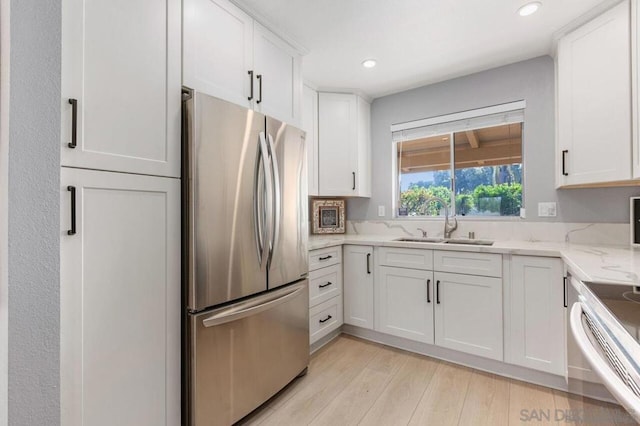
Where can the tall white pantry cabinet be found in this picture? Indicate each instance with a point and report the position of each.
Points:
(120, 213)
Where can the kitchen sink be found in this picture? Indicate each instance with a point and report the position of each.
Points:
(469, 242)
(420, 240)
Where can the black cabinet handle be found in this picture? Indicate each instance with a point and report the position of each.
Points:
(354, 180)
(74, 123)
(325, 258)
(325, 285)
(428, 291)
(259, 77)
(72, 189)
(326, 319)
(564, 291)
(251, 80)
(438, 292)
(564, 166)
(368, 263)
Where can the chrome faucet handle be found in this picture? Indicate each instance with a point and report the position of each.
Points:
(424, 233)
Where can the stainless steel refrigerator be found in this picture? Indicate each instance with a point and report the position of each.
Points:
(245, 261)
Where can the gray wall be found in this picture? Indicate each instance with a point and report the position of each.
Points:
(34, 242)
(531, 80)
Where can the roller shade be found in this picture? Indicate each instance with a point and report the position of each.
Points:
(468, 120)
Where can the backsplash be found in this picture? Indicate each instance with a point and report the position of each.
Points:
(577, 233)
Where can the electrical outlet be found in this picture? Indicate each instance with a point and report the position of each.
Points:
(523, 213)
(547, 209)
(381, 212)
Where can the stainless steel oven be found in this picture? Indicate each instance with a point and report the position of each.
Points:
(605, 324)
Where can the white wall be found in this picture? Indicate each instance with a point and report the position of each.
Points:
(532, 80)
(33, 261)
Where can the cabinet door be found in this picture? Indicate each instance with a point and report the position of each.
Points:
(468, 314)
(357, 285)
(121, 65)
(363, 184)
(594, 108)
(338, 133)
(404, 303)
(120, 299)
(278, 76)
(217, 54)
(310, 125)
(536, 330)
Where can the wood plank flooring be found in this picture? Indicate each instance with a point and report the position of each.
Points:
(355, 382)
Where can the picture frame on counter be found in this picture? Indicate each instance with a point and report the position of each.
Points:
(328, 216)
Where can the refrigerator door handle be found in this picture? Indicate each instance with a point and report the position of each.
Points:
(277, 199)
(254, 306)
(259, 202)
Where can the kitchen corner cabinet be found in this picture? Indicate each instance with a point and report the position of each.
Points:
(310, 125)
(594, 102)
(358, 285)
(121, 86)
(227, 54)
(537, 305)
(119, 299)
(344, 163)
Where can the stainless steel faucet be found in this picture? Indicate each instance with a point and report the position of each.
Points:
(448, 226)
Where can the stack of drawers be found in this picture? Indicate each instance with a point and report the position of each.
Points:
(325, 291)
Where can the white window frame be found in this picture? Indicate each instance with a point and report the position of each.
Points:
(396, 129)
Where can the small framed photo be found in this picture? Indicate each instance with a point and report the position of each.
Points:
(328, 217)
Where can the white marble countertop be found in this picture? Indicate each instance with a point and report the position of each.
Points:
(597, 263)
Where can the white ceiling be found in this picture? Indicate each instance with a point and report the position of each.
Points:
(415, 42)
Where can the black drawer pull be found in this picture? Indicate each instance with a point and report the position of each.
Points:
(428, 291)
(74, 123)
(325, 258)
(438, 292)
(72, 189)
(326, 319)
(325, 285)
(259, 77)
(368, 263)
(564, 166)
(354, 181)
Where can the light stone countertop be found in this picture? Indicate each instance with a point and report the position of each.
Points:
(596, 263)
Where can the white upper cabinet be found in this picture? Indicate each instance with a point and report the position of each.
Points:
(310, 125)
(277, 68)
(227, 54)
(344, 145)
(217, 52)
(594, 101)
(121, 86)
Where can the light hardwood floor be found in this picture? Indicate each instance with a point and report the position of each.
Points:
(352, 381)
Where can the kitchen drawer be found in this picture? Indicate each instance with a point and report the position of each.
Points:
(324, 284)
(406, 258)
(324, 257)
(486, 264)
(324, 318)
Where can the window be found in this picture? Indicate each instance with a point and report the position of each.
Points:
(472, 164)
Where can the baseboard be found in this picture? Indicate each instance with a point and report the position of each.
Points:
(324, 340)
(590, 390)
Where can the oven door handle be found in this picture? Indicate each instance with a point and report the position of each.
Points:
(609, 377)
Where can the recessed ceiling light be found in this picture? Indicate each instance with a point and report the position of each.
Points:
(529, 8)
(369, 63)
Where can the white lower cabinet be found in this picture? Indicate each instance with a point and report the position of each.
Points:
(404, 303)
(537, 304)
(468, 314)
(358, 285)
(119, 299)
(325, 292)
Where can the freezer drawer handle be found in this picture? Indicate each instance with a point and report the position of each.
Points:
(326, 319)
(255, 306)
(72, 189)
(325, 285)
(325, 258)
(74, 123)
